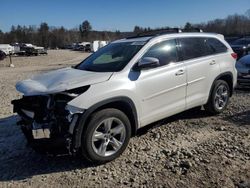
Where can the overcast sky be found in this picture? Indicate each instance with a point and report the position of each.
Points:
(116, 14)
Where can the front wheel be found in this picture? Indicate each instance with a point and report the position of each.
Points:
(219, 97)
(106, 136)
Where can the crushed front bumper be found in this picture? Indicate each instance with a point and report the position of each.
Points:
(45, 126)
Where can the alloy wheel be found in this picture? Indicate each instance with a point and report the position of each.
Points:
(108, 137)
(221, 97)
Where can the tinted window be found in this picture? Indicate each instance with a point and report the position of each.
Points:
(194, 48)
(216, 45)
(199, 47)
(165, 51)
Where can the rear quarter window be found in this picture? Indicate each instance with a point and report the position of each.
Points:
(195, 47)
(216, 45)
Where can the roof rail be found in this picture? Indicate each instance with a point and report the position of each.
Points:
(157, 32)
(161, 31)
(193, 30)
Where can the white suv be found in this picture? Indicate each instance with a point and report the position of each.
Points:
(96, 106)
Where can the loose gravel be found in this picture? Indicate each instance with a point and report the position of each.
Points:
(190, 149)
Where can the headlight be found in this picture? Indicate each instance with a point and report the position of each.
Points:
(78, 90)
(73, 109)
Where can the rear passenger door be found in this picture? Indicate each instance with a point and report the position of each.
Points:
(202, 68)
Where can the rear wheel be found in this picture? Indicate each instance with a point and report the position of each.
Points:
(106, 136)
(219, 97)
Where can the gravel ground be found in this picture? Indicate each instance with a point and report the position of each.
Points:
(190, 149)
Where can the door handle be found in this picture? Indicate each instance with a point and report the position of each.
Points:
(212, 62)
(179, 72)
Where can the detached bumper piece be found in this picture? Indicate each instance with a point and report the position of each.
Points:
(44, 122)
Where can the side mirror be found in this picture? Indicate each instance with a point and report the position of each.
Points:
(148, 62)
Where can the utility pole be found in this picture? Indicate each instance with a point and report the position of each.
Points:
(11, 64)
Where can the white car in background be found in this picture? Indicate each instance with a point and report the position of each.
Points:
(96, 106)
(7, 49)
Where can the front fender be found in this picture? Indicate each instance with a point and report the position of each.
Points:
(82, 121)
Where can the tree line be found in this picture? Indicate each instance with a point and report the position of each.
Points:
(57, 37)
(233, 25)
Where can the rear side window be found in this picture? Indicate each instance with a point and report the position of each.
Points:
(193, 48)
(165, 51)
(200, 46)
(216, 45)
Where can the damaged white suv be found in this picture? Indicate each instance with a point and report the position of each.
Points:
(96, 106)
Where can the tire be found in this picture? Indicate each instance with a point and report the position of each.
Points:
(219, 98)
(93, 148)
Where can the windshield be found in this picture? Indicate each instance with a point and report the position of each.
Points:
(111, 58)
(241, 42)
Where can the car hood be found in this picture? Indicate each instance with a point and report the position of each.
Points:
(60, 80)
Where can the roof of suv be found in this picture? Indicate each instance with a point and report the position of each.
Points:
(184, 34)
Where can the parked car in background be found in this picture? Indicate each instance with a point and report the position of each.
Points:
(7, 49)
(30, 49)
(243, 68)
(232, 39)
(2, 55)
(82, 46)
(88, 48)
(241, 46)
(68, 46)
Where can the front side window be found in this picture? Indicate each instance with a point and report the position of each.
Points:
(165, 51)
(111, 58)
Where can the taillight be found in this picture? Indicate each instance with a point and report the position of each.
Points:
(234, 55)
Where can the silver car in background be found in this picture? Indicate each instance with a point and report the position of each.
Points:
(243, 68)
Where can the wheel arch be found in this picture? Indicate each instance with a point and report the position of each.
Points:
(227, 77)
(125, 104)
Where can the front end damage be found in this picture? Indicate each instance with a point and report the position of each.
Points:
(47, 121)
